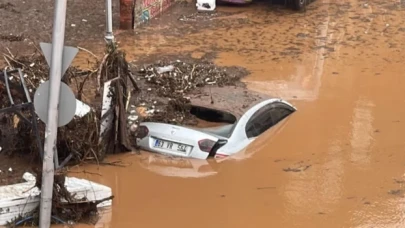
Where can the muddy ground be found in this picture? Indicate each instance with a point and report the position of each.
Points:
(339, 160)
(24, 23)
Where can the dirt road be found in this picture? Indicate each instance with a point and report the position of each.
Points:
(340, 64)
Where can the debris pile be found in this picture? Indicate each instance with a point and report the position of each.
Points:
(114, 68)
(80, 138)
(167, 86)
(204, 16)
(178, 78)
(158, 92)
(16, 134)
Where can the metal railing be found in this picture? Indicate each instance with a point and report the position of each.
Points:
(25, 105)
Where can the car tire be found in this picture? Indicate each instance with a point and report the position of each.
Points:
(299, 4)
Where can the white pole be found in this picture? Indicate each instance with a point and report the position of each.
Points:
(58, 36)
(109, 33)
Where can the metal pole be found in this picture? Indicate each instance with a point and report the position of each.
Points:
(109, 33)
(55, 76)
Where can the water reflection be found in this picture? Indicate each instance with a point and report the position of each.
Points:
(387, 214)
(105, 218)
(361, 136)
(176, 166)
(320, 186)
(104, 221)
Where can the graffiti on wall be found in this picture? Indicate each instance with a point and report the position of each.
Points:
(152, 8)
(145, 16)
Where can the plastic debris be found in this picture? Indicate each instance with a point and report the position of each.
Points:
(164, 69)
(206, 5)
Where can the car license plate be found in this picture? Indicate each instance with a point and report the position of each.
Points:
(176, 147)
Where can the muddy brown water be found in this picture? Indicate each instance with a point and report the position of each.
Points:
(339, 161)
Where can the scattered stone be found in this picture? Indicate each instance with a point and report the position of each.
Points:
(301, 35)
(396, 192)
(399, 181)
(6, 6)
(9, 7)
(297, 169)
(12, 38)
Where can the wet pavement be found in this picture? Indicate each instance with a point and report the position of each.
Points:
(338, 161)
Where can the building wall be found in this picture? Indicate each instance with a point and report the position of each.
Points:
(145, 10)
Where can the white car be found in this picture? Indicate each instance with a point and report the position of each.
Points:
(215, 142)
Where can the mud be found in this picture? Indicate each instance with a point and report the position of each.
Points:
(13, 168)
(25, 23)
(340, 64)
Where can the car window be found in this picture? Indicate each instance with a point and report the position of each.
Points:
(259, 122)
(279, 113)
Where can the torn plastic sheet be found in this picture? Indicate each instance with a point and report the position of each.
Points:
(81, 108)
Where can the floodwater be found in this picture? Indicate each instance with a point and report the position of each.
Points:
(341, 64)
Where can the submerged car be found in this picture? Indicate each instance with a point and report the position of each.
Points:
(215, 142)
